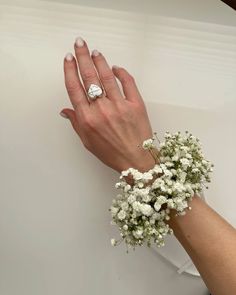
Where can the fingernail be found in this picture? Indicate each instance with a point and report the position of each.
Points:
(115, 67)
(64, 115)
(69, 56)
(79, 42)
(95, 52)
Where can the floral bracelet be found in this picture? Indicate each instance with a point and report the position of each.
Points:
(140, 210)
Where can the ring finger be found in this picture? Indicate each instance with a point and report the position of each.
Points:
(86, 66)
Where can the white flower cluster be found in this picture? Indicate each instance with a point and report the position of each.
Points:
(147, 144)
(141, 210)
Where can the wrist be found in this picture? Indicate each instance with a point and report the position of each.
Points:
(177, 221)
(145, 161)
(176, 174)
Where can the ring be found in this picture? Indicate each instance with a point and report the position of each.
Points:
(94, 91)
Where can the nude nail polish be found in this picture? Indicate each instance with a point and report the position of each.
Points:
(95, 52)
(64, 115)
(115, 67)
(69, 57)
(79, 42)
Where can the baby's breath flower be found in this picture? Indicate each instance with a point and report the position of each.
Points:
(127, 187)
(148, 144)
(157, 206)
(175, 158)
(170, 203)
(124, 206)
(161, 199)
(185, 163)
(140, 184)
(121, 215)
(146, 209)
(181, 173)
(138, 233)
(113, 242)
(118, 185)
(136, 206)
(131, 199)
(179, 187)
(114, 210)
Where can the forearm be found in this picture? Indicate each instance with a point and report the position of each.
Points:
(211, 243)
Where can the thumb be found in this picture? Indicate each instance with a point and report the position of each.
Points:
(70, 114)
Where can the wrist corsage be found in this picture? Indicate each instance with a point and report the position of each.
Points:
(142, 209)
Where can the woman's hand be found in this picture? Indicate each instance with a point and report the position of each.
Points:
(112, 126)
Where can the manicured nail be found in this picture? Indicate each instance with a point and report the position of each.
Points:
(115, 67)
(69, 56)
(95, 52)
(79, 42)
(64, 115)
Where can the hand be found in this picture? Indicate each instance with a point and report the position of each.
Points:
(112, 126)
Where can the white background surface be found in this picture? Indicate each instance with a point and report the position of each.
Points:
(54, 196)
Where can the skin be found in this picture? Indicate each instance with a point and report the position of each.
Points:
(112, 127)
(210, 241)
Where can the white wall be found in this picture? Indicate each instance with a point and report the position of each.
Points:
(54, 196)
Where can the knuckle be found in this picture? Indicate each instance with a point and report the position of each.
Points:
(107, 76)
(138, 105)
(88, 75)
(121, 107)
(104, 114)
(122, 111)
(107, 116)
(72, 86)
(123, 114)
(127, 78)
